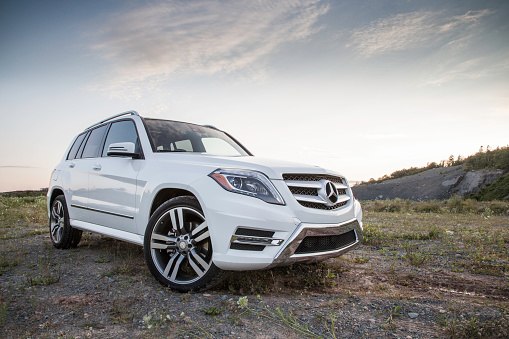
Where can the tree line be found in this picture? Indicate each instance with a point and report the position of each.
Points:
(485, 158)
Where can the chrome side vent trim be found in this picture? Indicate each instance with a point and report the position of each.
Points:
(250, 239)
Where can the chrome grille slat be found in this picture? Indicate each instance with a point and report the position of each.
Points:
(308, 198)
(307, 184)
(306, 190)
(312, 177)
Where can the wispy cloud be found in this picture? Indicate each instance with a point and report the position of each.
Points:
(412, 30)
(468, 69)
(172, 38)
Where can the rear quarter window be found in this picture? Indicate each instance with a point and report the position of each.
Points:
(76, 146)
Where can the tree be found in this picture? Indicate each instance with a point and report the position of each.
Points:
(450, 161)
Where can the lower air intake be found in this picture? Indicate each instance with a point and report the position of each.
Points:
(325, 243)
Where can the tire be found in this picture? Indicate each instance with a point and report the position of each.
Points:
(178, 248)
(62, 234)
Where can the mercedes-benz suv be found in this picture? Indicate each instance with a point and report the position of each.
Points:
(197, 201)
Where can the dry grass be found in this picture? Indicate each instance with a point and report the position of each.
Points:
(411, 251)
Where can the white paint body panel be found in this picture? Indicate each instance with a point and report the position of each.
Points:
(125, 188)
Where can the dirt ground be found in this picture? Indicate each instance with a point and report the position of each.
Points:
(417, 276)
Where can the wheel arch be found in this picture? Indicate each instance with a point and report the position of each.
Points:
(55, 192)
(166, 194)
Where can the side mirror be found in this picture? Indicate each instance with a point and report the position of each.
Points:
(124, 149)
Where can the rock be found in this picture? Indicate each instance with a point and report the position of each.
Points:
(438, 183)
(413, 315)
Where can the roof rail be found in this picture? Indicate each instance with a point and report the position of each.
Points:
(113, 117)
(211, 126)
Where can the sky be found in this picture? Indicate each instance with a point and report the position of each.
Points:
(361, 87)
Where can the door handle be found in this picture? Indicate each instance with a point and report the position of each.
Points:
(72, 164)
(97, 167)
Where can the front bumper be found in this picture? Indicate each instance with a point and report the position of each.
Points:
(238, 224)
(289, 255)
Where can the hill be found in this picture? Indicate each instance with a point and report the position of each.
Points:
(483, 176)
(434, 184)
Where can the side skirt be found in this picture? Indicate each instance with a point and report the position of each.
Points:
(109, 232)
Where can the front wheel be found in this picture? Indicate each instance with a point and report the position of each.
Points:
(178, 248)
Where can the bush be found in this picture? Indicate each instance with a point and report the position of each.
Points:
(372, 236)
(498, 190)
(427, 207)
(457, 204)
(396, 205)
(499, 207)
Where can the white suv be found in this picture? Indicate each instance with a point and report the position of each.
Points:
(197, 201)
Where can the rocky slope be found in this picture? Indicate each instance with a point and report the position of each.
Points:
(437, 183)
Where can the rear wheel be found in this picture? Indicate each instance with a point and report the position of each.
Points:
(178, 248)
(62, 234)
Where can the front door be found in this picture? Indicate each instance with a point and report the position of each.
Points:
(112, 182)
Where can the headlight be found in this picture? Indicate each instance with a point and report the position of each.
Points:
(254, 184)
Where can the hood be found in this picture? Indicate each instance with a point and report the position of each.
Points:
(274, 169)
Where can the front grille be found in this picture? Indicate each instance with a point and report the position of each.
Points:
(322, 206)
(309, 190)
(304, 190)
(325, 243)
(313, 177)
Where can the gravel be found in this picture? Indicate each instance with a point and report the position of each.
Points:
(103, 289)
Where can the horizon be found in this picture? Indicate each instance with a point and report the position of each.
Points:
(360, 88)
(352, 183)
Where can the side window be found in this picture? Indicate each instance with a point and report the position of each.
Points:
(94, 142)
(122, 131)
(76, 146)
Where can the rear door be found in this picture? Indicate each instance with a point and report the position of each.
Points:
(78, 165)
(112, 181)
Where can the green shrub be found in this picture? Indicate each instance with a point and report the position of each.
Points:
(396, 205)
(499, 207)
(457, 204)
(372, 236)
(427, 207)
(498, 190)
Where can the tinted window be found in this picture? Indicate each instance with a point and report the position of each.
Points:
(76, 146)
(94, 142)
(122, 131)
(173, 136)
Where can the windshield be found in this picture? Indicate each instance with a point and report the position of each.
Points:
(174, 136)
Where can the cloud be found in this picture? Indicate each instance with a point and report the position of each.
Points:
(411, 30)
(172, 38)
(468, 69)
